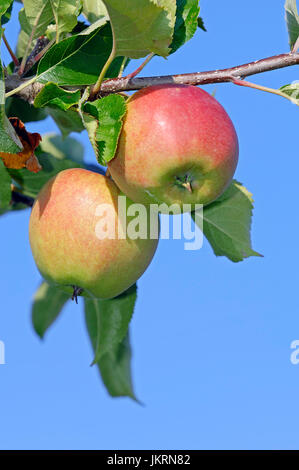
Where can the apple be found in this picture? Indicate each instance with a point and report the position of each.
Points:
(177, 146)
(67, 249)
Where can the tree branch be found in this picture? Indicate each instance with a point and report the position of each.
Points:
(204, 78)
(198, 78)
(19, 197)
(28, 93)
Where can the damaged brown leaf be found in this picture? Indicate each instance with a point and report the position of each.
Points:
(26, 158)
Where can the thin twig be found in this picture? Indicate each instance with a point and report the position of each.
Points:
(31, 37)
(12, 54)
(236, 81)
(122, 67)
(141, 67)
(95, 90)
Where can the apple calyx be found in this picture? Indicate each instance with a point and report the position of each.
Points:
(184, 182)
(188, 186)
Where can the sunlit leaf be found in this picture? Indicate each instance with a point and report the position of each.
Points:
(78, 59)
(108, 112)
(94, 10)
(38, 14)
(5, 11)
(142, 26)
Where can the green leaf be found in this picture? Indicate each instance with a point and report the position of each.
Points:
(22, 42)
(5, 10)
(15, 106)
(32, 183)
(37, 15)
(78, 59)
(227, 223)
(115, 368)
(67, 121)
(186, 22)
(4, 6)
(292, 19)
(291, 90)
(62, 148)
(113, 318)
(37, 18)
(114, 365)
(142, 26)
(91, 125)
(108, 112)
(5, 191)
(65, 14)
(201, 24)
(47, 304)
(94, 10)
(9, 141)
(52, 95)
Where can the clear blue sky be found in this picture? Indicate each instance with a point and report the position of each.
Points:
(211, 338)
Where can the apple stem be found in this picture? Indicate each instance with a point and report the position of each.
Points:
(77, 291)
(185, 182)
(188, 186)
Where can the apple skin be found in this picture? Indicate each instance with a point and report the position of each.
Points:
(173, 135)
(64, 243)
